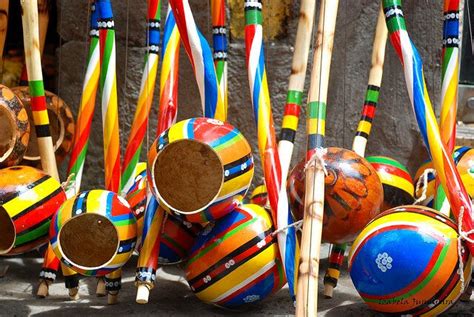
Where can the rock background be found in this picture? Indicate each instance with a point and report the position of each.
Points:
(394, 132)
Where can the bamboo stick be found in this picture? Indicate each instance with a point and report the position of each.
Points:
(307, 291)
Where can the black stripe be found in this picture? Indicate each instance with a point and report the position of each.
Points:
(453, 43)
(368, 103)
(39, 203)
(145, 274)
(71, 281)
(113, 284)
(126, 245)
(461, 151)
(154, 24)
(51, 274)
(249, 244)
(426, 303)
(220, 55)
(362, 134)
(397, 12)
(238, 173)
(238, 163)
(288, 134)
(226, 272)
(42, 131)
(103, 23)
(334, 265)
(366, 118)
(22, 190)
(338, 249)
(330, 280)
(248, 8)
(447, 15)
(82, 209)
(163, 141)
(372, 87)
(395, 196)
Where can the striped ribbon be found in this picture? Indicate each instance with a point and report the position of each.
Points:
(416, 86)
(110, 118)
(260, 98)
(169, 74)
(200, 55)
(449, 89)
(219, 42)
(145, 99)
(154, 215)
(365, 123)
(108, 88)
(86, 108)
(148, 259)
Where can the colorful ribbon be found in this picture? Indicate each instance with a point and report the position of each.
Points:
(219, 42)
(449, 89)
(169, 74)
(416, 86)
(86, 108)
(260, 98)
(148, 259)
(145, 98)
(108, 89)
(200, 56)
(154, 215)
(110, 118)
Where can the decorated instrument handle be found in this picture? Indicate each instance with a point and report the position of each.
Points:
(375, 80)
(359, 144)
(417, 91)
(200, 56)
(35, 82)
(306, 299)
(169, 74)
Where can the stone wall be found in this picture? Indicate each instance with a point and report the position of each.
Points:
(394, 133)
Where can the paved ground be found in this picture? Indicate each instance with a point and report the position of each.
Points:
(171, 297)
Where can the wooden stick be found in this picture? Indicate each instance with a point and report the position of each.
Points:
(43, 20)
(362, 134)
(375, 80)
(3, 23)
(35, 80)
(307, 294)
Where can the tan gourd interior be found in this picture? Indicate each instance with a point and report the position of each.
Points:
(88, 240)
(188, 175)
(7, 232)
(56, 126)
(7, 136)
